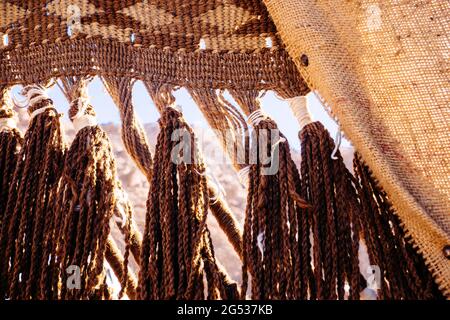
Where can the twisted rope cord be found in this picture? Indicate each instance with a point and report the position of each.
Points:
(404, 272)
(83, 116)
(163, 97)
(133, 134)
(174, 239)
(10, 143)
(271, 247)
(31, 194)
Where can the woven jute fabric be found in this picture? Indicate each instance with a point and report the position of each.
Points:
(382, 69)
(215, 43)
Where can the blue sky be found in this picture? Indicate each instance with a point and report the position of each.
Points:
(275, 107)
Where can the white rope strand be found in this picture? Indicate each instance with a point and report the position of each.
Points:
(256, 117)
(337, 144)
(274, 146)
(33, 95)
(299, 106)
(41, 110)
(243, 176)
(82, 121)
(7, 123)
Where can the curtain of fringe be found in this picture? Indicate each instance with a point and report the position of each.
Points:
(301, 232)
(162, 96)
(362, 57)
(404, 273)
(58, 211)
(134, 139)
(347, 209)
(273, 212)
(333, 220)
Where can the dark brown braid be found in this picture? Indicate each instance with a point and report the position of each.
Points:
(87, 201)
(177, 250)
(404, 272)
(162, 96)
(271, 221)
(89, 197)
(30, 202)
(75, 90)
(328, 186)
(10, 141)
(304, 217)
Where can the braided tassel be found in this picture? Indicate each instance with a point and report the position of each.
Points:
(176, 238)
(10, 141)
(404, 274)
(89, 197)
(328, 186)
(25, 226)
(271, 247)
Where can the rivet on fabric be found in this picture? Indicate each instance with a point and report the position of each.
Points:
(446, 251)
(304, 60)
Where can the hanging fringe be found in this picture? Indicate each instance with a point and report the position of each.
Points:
(177, 250)
(328, 186)
(74, 91)
(27, 225)
(227, 122)
(89, 197)
(10, 142)
(271, 247)
(248, 100)
(162, 96)
(404, 273)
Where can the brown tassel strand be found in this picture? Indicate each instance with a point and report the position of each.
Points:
(270, 245)
(177, 250)
(27, 226)
(328, 186)
(404, 273)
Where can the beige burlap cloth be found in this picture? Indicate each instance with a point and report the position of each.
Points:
(382, 67)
